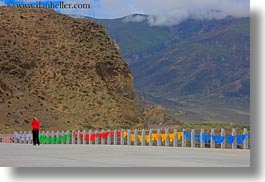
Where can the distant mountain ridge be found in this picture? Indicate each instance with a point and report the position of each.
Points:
(197, 69)
(193, 57)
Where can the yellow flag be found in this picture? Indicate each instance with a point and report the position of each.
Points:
(163, 136)
(132, 137)
(171, 137)
(153, 137)
(140, 138)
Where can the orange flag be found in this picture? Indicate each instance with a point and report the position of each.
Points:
(132, 137)
(180, 135)
(147, 138)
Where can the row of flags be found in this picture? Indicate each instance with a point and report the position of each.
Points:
(153, 137)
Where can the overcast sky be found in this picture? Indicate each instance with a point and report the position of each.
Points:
(118, 8)
(164, 12)
(168, 12)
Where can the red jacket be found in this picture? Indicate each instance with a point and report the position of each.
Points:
(35, 124)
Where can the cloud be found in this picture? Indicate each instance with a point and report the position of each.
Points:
(135, 18)
(170, 12)
(2, 3)
(170, 18)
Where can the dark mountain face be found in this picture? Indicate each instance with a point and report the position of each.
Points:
(191, 62)
(214, 62)
(194, 57)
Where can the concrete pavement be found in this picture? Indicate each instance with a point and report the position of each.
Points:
(26, 155)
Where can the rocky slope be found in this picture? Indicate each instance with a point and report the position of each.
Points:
(65, 71)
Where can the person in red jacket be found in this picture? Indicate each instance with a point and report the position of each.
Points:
(35, 124)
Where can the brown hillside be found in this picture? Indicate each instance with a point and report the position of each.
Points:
(65, 71)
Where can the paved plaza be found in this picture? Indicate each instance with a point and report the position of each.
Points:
(26, 155)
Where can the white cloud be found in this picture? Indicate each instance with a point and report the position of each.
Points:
(169, 12)
(169, 18)
(134, 18)
(2, 3)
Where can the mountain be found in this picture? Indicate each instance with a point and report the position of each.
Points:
(192, 62)
(211, 62)
(136, 39)
(65, 71)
